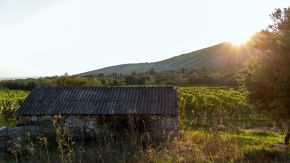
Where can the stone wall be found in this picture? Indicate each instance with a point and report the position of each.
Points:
(163, 127)
(157, 126)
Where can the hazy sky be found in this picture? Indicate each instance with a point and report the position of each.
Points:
(51, 37)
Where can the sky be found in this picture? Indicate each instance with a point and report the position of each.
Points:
(51, 37)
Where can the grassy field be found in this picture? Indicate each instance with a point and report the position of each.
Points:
(223, 146)
(216, 125)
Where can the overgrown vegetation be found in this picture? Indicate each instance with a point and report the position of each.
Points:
(191, 146)
(217, 107)
(9, 102)
(217, 125)
(267, 77)
(222, 146)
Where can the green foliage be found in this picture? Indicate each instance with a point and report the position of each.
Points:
(267, 77)
(9, 102)
(75, 81)
(214, 107)
(183, 77)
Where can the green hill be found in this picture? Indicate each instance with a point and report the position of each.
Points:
(224, 58)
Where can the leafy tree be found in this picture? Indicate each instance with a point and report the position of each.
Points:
(267, 77)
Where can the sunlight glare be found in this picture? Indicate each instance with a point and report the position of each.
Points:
(239, 40)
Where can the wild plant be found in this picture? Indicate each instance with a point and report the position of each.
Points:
(44, 141)
(64, 140)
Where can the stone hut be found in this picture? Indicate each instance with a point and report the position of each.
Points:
(89, 110)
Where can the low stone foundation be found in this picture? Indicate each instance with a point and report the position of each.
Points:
(158, 127)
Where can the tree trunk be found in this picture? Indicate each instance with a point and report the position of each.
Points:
(287, 137)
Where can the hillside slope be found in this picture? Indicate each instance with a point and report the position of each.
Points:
(223, 58)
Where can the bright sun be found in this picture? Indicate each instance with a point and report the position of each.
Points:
(239, 40)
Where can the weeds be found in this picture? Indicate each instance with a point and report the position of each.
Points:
(191, 146)
(43, 141)
(64, 140)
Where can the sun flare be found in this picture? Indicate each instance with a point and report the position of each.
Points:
(239, 40)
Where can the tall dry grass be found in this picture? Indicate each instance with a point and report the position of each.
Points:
(189, 146)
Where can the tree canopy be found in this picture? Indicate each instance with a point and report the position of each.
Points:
(267, 77)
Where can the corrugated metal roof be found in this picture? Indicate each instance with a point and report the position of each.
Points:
(101, 100)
